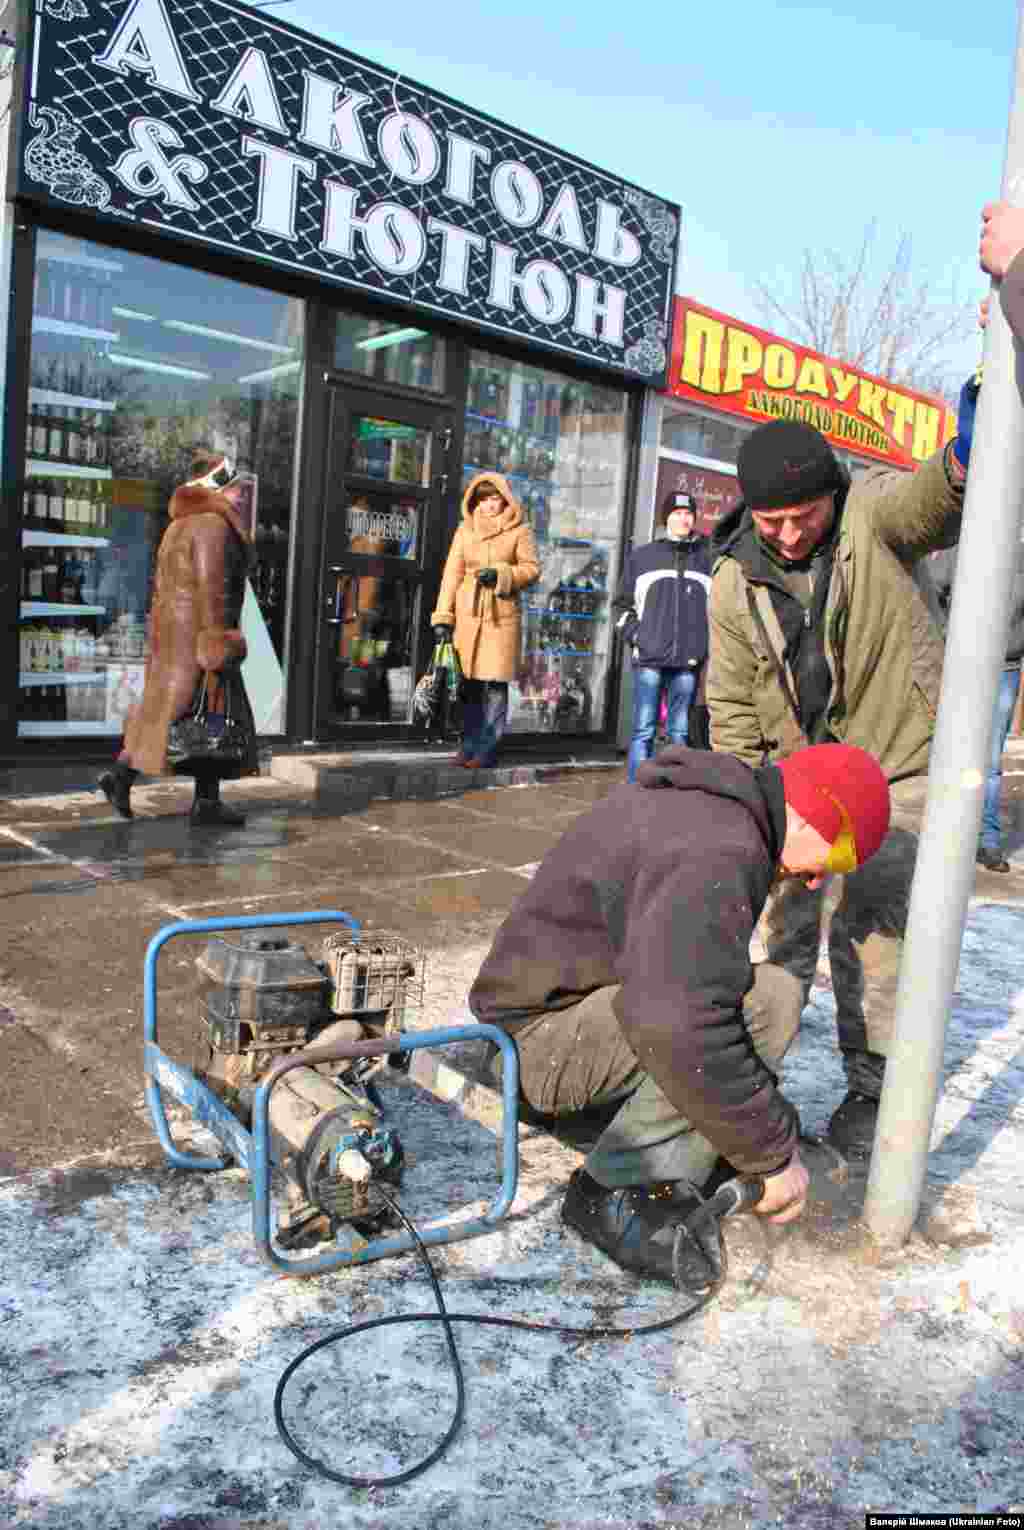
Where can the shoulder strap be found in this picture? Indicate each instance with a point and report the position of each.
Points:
(763, 615)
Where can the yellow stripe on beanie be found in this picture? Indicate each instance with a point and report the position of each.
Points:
(842, 857)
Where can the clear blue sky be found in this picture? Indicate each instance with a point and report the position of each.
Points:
(777, 125)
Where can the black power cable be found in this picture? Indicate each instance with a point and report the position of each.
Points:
(701, 1228)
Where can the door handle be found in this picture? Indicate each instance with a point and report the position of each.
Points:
(336, 602)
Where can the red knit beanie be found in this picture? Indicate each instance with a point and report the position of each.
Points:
(843, 793)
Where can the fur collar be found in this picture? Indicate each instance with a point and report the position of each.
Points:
(196, 499)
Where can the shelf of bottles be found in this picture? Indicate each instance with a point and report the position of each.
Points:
(554, 440)
(67, 637)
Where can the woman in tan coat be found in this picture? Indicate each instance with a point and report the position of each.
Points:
(193, 635)
(492, 558)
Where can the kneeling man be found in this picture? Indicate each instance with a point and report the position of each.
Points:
(623, 973)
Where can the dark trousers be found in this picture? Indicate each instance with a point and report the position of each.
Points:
(484, 715)
(577, 1060)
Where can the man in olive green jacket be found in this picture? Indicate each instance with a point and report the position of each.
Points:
(823, 627)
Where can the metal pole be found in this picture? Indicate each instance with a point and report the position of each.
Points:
(975, 650)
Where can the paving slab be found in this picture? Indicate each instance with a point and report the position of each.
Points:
(143, 1339)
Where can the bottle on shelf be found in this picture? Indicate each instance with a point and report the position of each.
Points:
(51, 575)
(90, 577)
(493, 395)
(40, 431)
(71, 576)
(55, 513)
(40, 504)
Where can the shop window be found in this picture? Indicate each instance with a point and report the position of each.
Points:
(562, 446)
(700, 436)
(136, 363)
(389, 351)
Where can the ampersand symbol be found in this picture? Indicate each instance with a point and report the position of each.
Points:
(148, 172)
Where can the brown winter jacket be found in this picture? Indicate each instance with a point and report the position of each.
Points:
(882, 639)
(193, 620)
(658, 888)
(487, 622)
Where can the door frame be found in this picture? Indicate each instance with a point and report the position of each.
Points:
(344, 397)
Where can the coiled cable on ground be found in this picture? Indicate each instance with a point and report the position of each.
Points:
(700, 1233)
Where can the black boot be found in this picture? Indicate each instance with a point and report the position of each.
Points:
(992, 860)
(851, 1130)
(209, 811)
(116, 785)
(636, 1225)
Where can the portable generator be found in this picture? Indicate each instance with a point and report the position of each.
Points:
(287, 1050)
(264, 998)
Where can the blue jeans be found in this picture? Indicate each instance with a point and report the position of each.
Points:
(1006, 700)
(647, 688)
(484, 715)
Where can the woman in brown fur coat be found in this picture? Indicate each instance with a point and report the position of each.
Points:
(194, 636)
(492, 557)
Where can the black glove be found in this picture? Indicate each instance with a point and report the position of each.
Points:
(488, 577)
(442, 633)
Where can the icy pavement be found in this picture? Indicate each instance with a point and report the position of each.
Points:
(141, 1339)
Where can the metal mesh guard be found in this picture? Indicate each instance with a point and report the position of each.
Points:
(375, 975)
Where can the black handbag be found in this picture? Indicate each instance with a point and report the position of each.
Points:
(205, 736)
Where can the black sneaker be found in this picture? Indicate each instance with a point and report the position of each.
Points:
(216, 814)
(992, 860)
(852, 1127)
(116, 786)
(636, 1225)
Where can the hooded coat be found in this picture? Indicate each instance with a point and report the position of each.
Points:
(658, 888)
(487, 622)
(198, 591)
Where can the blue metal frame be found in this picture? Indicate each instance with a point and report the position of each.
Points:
(252, 1150)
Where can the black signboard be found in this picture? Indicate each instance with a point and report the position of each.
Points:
(211, 122)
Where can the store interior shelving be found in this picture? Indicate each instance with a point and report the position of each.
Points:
(66, 526)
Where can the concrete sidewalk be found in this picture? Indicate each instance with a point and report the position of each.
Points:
(141, 1337)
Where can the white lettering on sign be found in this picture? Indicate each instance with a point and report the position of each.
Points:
(410, 148)
(611, 310)
(614, 243)
(348, 120)
(456, 247)
(463, 154)
(387, 526)
(250, 93)
(330, 119)
(146, 171)
(278, 185)
(564, 222)
(392, 235)
(144, 44)
(517, 193)
(543, 287)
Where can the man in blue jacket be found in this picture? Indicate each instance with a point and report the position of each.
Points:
(663, 601)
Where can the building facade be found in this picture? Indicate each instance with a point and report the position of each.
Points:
(224, 232)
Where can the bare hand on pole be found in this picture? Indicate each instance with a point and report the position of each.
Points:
(1002, 237)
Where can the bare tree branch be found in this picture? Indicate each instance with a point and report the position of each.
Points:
(878, 317)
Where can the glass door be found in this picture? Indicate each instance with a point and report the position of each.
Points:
(387, 473)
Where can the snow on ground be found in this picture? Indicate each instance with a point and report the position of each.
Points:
(141, 1339)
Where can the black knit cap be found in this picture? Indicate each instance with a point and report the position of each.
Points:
(785, 463)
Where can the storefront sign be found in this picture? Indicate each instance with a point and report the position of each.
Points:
(718, 362)
(210, 122)
(716, 493)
